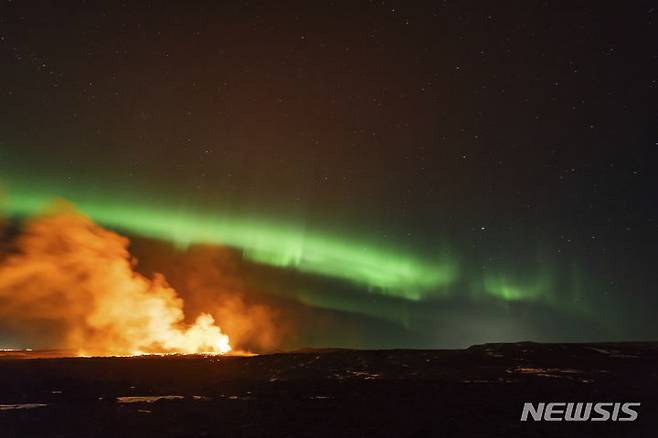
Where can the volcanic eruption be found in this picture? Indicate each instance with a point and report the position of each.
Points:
(67, 278)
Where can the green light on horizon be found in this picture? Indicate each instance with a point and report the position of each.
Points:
(507, 289)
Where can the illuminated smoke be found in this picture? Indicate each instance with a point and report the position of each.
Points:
(68, 274)
(209, 278)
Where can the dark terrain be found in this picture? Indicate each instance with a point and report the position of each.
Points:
(316, 393)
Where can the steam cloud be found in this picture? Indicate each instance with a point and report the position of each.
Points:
(68, 280)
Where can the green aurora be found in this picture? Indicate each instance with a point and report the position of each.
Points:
(266, 242)
(382, 270)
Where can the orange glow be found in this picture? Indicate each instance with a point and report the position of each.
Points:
(75, 277)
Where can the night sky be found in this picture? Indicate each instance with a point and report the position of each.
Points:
(383, 174)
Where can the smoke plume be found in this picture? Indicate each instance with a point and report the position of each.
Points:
(72, 282)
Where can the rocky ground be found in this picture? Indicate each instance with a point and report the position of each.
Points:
(328, 393)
